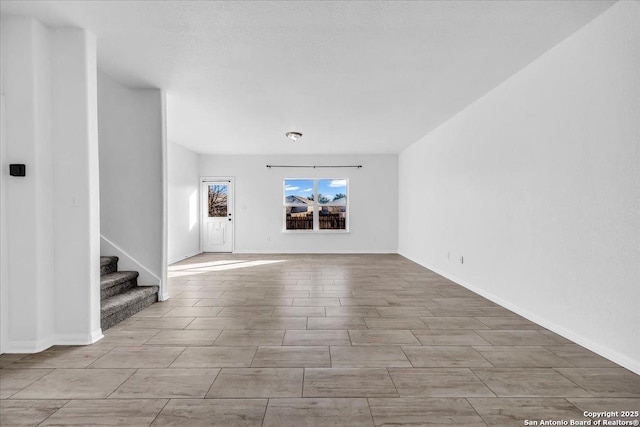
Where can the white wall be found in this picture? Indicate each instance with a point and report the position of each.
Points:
(537, 185)
(50, 275)
(258, 202)
(27, 89)
(184, 199)
(76, 185)
(130, 124)
(4, 252)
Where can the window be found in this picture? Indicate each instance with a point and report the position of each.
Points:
(316, 204)
(217, 201)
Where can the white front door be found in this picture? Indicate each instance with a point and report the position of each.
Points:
(217, 216)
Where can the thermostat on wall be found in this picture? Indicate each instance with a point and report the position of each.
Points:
(17, 170)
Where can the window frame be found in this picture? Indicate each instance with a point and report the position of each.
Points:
(316, 206)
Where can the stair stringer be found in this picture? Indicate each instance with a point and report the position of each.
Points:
(127, 263)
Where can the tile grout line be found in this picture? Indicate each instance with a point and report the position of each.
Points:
(213, 382)
(330, 358)
(254, 356)
(483, 356)
(405, 355)
(414, 336)
(122, 382)
(160, 411)
(476, 411)
(54, 412)
(264, 415)
(373, 422)
(392, 382)
(483, 383)
(37, 379)
(89, 366)
(573, 382)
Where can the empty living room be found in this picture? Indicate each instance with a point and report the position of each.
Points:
(320, 213)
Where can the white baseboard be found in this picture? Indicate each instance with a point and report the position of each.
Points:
(127, 263)
(177, 259)
(28, 346)
(60, 339)
(163, 296)
(79, 339)
(332, 251)
(621, 359)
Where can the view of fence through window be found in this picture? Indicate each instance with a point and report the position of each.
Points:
(315, 204)
(217, 201)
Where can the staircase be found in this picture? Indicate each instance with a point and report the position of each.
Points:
(120, 295)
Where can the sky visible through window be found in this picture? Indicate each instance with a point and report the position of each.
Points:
(326, 187)
(298, 187)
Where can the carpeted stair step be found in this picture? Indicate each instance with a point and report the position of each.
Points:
(123, 305)
(118, 282)
(108, 264)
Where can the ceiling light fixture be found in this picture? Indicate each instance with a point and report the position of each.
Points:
(294, 136)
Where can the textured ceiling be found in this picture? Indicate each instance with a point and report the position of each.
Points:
(353, 77)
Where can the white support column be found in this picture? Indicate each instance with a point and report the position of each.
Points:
(76, 187)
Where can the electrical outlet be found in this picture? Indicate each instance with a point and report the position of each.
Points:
(461, 259)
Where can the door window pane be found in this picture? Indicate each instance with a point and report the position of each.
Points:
(217, 201)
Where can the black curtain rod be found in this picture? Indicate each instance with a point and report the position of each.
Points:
(313, 166)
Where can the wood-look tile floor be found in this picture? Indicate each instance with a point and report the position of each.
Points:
(314, 340)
